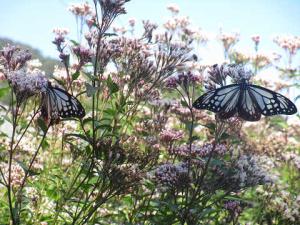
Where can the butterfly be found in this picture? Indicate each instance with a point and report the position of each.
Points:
(246, 100)
(57, 103)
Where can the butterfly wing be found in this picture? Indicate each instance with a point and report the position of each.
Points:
(271, 103)
(223, 101)
(247, 106)
(59, 103)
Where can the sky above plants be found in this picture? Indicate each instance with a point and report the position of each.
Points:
(32, 21)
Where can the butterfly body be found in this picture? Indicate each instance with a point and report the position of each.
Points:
(58, 103)
(246, 100)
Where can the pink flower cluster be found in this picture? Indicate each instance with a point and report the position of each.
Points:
(81, 9)
(17, 174)
(289, 43)
(228, 39)
(60, 35)
(256, 39)
(183, 79)
(84, 54)
(169, 136)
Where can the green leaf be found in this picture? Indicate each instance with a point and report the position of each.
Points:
(74, 42)
(184, 103)
(77, 136)
(109, 34)
(4, 91)
(25, 168)
(45, 144)
(53, 193)
(42, 125)
(75, 75)
(104, 127)
(112, 86)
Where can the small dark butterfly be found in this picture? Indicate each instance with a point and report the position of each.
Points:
(245, 100)
(57, 103)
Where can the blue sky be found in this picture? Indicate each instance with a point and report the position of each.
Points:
(32, 21)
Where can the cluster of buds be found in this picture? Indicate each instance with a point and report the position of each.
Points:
(81, 9)
(249, 172)
(112, 8)
(240, 57)
(216, 75)
(234, 207)
(148, 29)
(84, 55)
(200, 36)
(171, 55)
(14, 58)
(289, 43)
(228, 39)
(199, 151)
(256, 40)
(119, 30)
(177, 23)
(171, 175)
(26, 84)
(262, 60)
(60, 36)
(173, 8)
(132, 22)
(169, 136)
(59, 42)
(183, 79)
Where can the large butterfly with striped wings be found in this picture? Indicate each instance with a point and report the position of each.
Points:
(57, 103)
(245, 100)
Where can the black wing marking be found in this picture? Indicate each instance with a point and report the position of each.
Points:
(59, 103)
(271, 103)
(247, 107)
(222, 100)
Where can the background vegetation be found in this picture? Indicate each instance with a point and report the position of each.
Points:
(142, 154)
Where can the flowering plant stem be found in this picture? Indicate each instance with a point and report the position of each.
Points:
(15, 111)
